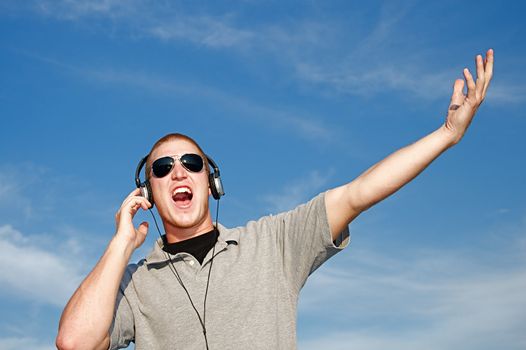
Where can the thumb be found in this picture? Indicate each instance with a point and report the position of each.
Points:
(457, 98)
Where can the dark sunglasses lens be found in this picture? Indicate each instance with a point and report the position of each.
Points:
(192, 162)
(162, 166)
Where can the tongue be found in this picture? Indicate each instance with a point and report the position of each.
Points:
(182, 198)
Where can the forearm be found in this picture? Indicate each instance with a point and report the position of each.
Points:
(87, 317)
(390, 174)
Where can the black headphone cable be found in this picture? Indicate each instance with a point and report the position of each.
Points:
(172, 267)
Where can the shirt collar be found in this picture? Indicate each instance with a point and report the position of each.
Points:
(226, 236)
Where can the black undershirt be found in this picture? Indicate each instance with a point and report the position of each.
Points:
(198, 246)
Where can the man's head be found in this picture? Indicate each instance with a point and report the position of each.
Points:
(181, 195)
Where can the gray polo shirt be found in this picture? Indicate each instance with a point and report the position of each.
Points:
(256, 277)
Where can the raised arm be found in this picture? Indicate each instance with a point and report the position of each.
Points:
(346, 202)
(87, 317)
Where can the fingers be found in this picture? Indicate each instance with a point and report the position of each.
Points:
(481, 77)
(131, 205)
(138, 192)
(488, 70)
(484, 74)
(471, 85)
(135, 192)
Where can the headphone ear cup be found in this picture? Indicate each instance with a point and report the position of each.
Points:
(144, 187)
(146, 191)
(219, 186)
(216, 186)
(213, 189)
(214, 180)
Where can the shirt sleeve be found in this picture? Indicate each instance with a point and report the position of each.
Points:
(305, 240)
(122, 330)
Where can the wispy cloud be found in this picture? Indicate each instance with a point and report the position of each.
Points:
(427, 299)
(297, 192)
(347, 79)
(203, 30)
(28, 271)
(373, 64)
(505, 92)
(300, 123)
(297, 43)
(165, 21)
(30, 192)
(14, 186)
(74, 10)
(415, 78)
(315, 50)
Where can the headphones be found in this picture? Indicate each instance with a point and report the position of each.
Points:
(214, 181)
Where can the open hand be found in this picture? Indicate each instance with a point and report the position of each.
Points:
(463, 107)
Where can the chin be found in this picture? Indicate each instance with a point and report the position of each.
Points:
(186, 221)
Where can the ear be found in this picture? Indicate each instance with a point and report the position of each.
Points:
(209, 191)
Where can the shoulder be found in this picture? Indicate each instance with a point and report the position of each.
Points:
(271, 222)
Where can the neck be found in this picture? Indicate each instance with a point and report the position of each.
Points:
(176, 234)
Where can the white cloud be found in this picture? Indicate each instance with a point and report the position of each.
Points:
(24, 343)
(48, 264)
(438, 300)
(416, 340)
(31, 272)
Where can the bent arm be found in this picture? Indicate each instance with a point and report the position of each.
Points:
(345, 203)
(87, 317)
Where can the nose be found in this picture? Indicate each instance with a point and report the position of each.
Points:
(179, 172)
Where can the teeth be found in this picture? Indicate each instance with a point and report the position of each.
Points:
(182, 190)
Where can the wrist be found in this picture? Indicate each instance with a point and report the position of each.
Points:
(449, 136)
(122, 245)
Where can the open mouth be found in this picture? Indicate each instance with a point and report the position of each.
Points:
(182, 196)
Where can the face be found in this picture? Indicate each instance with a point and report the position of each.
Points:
(181, 196)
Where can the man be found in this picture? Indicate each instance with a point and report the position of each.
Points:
(205, 287)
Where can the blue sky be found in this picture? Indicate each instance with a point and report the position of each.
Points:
(290, 98)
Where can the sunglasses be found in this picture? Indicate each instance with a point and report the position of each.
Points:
(190, 161)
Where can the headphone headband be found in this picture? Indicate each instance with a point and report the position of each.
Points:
(138, 171)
